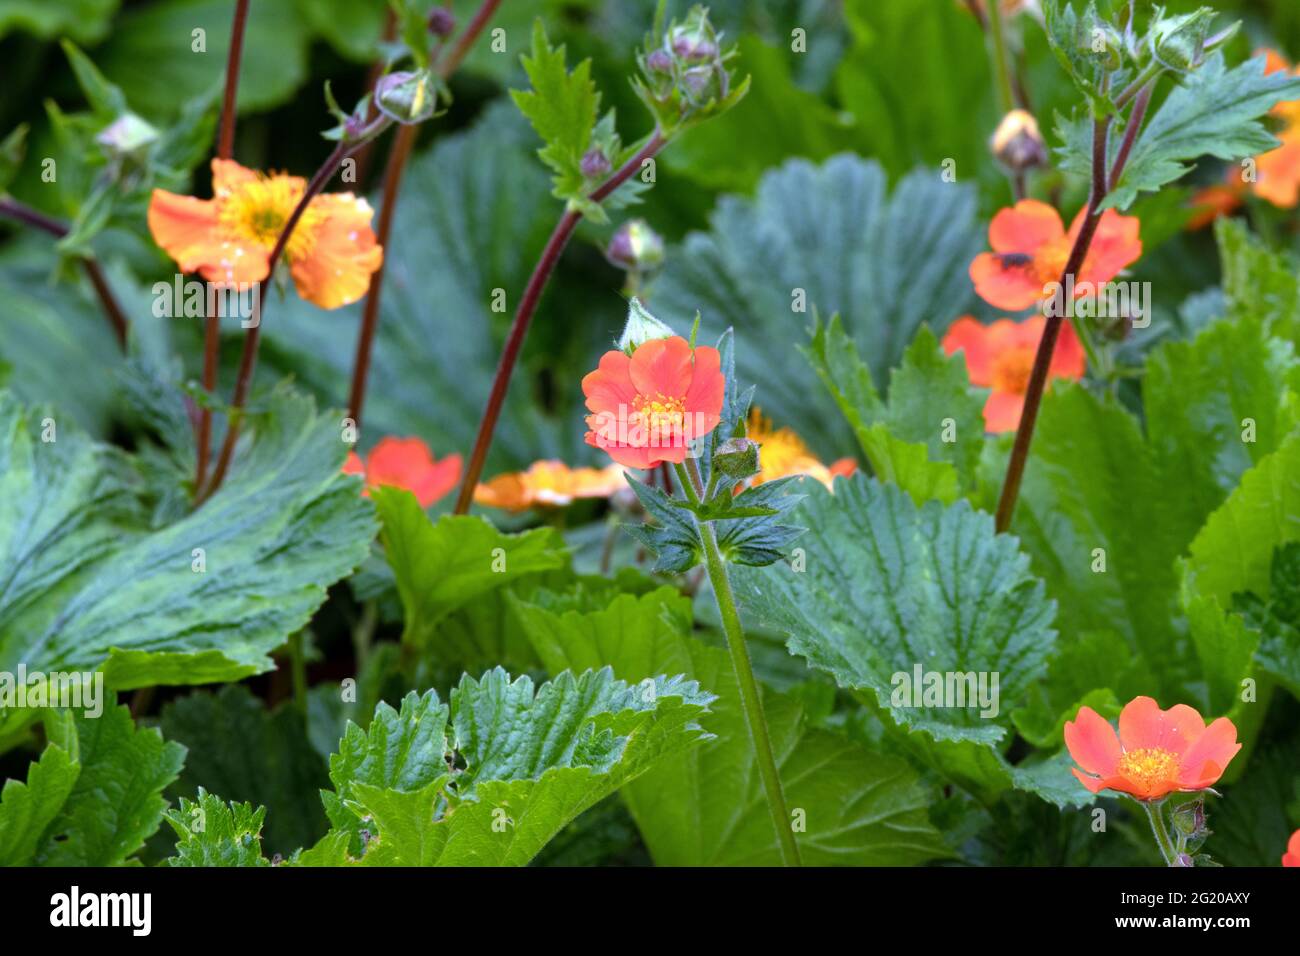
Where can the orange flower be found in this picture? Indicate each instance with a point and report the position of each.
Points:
(549, 483)
(1000, 356)
(406, 463)
(1292, 855)
(1156, 752)
(228, 239)
(782, 453)
(1214, 201)
(1031, 249)
(647, 407)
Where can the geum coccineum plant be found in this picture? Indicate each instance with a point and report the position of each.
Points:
(662, 399)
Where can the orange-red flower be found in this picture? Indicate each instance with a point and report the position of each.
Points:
(228, 239)
(1292, 855)
(1031, 249)
(782, 453)
(406, 463)
(1210, 203)
(648, 406)
(1155, 753)
(551, 484)
(1001, 356)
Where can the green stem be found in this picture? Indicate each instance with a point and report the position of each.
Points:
(1155, 813)
(1001, 68)
(749, 693)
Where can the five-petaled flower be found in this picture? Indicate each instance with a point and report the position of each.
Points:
(406, 463)
(549, 484)
(648, 407)
(1156, 752)
(1031, 249)
(1001, 356)
(1292, 855)
(782, 453)
(228, 239)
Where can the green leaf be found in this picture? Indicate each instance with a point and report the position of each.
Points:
(706, 806)
(84, 21)
(90, 587)
(95, 795)
(823, 239)
(12, 150)
(1258, 281)
(534, 759)
(903, 441)
(674, 537)
(445, 565)
(212, 832)
(240, 748)
(889, 589)
(562, 108)
(1216, 111)
(1277, 618)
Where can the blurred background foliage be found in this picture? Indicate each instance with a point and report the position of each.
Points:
(475, 209)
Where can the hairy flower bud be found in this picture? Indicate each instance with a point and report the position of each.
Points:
(406, 97)
(128, 136)
(737, 458)
(641, 328)
(693, 42)
(1179, 41)
(659, 61)
(595, 164)
(1017, 144)
(635, 247)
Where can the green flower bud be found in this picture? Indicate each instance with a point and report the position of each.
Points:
(1179, 41)
(406, 97)
(127, 137)
(737, 458)
(641, 328)
(635, 247)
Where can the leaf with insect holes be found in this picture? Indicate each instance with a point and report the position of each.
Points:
(203, 599)
(705, 806)
(94, 796)
(213, 832)
(1214, 111)
(490, 779)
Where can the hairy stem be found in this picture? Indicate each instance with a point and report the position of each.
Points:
(397, 158)
(750, 696)
(11, 208)
(524, 316)
(1155, 813)
(212, 322)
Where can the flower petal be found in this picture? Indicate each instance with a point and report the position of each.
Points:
(971, 337)
(1068, 358)
(1002, 411)
(184, 228)
(1003, 284)
(1143, 725)
(610, 388)
(336, 272)
(1208, 756)
(1114, 248)
(1024, 227)
(1092, 742)
(663, 367)
(707, 384)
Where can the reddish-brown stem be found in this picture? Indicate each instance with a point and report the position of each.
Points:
(248, 357)
(1052, 330)
(524, 316)
(1131, 132)
(20, 212)
(364, 156)
(397, 158)
(212, 323)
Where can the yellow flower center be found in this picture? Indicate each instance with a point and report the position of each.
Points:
(1148, 766)
(256, 211)
(1011, 371)
(659, 415)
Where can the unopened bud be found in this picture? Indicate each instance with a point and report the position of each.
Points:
(1018, 144)
(693, 42)
(128, 135)
(659, 61)
(635, 247)
(595, 164)
(441, 21)
(1179, 41)
(406, 97)
(641, 328)
(737, 458)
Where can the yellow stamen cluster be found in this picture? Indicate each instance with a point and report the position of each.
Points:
(1148, 766)
(257, 210)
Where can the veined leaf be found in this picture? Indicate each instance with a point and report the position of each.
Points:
(534, 758)
(445, 565)
(706, 806)
(203, 599)
(94, 796)
(892, 593)
(212, 832)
